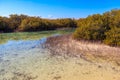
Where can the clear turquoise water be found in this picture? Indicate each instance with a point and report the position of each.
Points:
(21, 52)
(22, 57)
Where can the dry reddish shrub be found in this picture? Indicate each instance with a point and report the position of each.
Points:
(66, 45)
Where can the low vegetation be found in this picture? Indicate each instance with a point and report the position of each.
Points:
(97, 27)
(24, 23)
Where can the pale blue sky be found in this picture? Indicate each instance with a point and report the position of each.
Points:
(57, 8)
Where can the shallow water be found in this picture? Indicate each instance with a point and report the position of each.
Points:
(18, 53)
(28, 60)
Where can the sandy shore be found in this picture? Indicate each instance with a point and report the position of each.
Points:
(46, 67)
(38, 63)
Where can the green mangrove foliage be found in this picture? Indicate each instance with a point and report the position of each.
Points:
(16, 23)
(105, 28)
(97, 27)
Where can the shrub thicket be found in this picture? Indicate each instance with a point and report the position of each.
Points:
(26, 23)
(98, 27)
(105, 28)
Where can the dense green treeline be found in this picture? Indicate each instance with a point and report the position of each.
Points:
(100, 27)
(97, 27)
(16, 22)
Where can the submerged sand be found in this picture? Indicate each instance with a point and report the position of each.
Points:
(29, 61)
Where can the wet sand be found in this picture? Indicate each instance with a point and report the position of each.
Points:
(27, 60)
